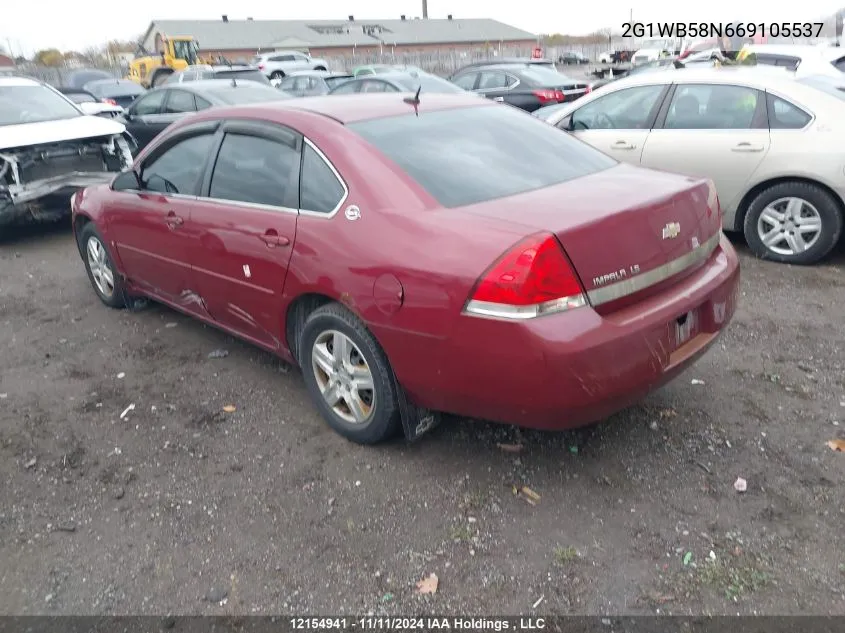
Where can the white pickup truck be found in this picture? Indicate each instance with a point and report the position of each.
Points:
(49, 148)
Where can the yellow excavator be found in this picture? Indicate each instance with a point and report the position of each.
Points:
(172, 55)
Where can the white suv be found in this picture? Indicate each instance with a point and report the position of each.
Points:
(277, 64)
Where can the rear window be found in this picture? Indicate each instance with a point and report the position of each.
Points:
(427, 83)
(248, 93)
(543, 75)
(470, 155)
(247, 75)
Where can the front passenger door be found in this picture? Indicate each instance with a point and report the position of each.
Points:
(618, 123)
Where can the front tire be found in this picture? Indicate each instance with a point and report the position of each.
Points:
(793, 223)
(105, 280)
(348, 375)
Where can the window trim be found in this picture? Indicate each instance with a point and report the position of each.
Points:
(324, 158)
(156, 151)
(794, 105)
(760, 111)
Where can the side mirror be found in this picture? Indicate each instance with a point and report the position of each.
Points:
(565, 124)
(127, 115)
(127, 181)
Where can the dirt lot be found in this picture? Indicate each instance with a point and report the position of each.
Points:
(180, 507)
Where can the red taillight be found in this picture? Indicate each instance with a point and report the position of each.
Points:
(548, 95)
(260, 66)
(532, 278)
(588, 90)
(109, 101)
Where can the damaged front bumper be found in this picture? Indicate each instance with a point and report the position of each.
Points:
(36, 182)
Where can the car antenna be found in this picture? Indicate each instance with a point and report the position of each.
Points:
(414, 101)
(234, 83)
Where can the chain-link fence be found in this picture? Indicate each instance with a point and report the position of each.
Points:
(437, 62)
(58, 75)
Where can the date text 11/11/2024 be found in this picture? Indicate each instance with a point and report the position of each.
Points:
(711, 29)
(430, 623)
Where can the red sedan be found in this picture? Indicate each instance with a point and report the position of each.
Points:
(442, 255)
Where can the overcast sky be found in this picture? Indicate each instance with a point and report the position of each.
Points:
(66, 24)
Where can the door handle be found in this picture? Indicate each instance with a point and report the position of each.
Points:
(173, 220)
(499, 99)
(747, 147)
(272, 239)
(623, 145)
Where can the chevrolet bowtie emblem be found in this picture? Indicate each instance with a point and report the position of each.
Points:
(671, 231)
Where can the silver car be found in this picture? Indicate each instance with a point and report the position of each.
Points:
(772, 145)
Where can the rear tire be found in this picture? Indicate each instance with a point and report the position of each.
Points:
(104, 278)
(340, 358)
(785, 215)
(278, 75)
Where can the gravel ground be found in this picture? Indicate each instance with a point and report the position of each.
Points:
(180, 507)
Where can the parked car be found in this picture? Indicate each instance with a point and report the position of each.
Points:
(334, 234)
(573, 57)
(48, 148)
(757, 134)
(606, 57)
(81, 76)
(374, 69)
(310, 83)
(201, 73)
(160, 107)
(277, 64)
(526, 87)
(90, 104)
(804, 61)
(397, 82)
(119, 92)
(507, 61)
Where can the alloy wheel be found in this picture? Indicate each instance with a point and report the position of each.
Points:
(789, 226)
(343, 377)
(98, 264)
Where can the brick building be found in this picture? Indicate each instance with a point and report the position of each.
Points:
(348, 39)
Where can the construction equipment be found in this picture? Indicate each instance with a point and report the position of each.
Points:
(172, 54)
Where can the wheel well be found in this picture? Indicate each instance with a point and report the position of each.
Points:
(297, 314)
(79, 223)
(742, 207)
(321, 67)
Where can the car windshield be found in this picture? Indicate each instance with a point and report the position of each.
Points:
(470, 155)
(243, 93)
(247, 74)
(33, 104)
(544, 76)
(427, 83)
(830, 85)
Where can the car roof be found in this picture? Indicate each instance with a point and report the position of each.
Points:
(761, 77)
(17, 80)
(318, 73)
(354, 107)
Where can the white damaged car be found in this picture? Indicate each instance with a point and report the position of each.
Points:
(49, 148)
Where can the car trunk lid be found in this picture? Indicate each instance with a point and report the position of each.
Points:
(628, 231)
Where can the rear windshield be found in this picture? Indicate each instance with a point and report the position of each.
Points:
(331, 82)
(427, 83)
(248, 75)
(33, 104)
(245, 93)
(112, 88)
(469, 155)
(543, 75)
(829, 85)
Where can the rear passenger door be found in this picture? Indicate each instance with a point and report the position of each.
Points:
(245, 226)
(716, 131)
(144, 120)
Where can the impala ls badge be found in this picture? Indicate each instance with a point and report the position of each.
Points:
(671, 231)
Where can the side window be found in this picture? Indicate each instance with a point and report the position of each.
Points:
(285, 58)
(628, 109)
(466, 81)
(276, 58)
(300, 83)
(202, 104)
(712, 107)
(785, 116)
(510, 81)
(320, 190)
(288, 83)
(374, 86)
(256, 170)
(491, 80)
(179, 101)
(149, 104)
(839, 64)
(179, 168)
(347, 88)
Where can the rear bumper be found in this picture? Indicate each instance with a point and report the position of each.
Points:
(576, 368)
